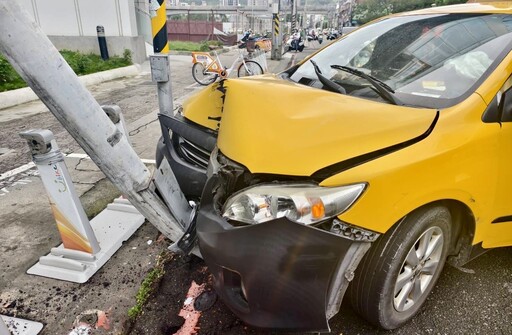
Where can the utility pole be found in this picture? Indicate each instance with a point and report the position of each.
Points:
(294, 14)
(159, 62)
(276, 32)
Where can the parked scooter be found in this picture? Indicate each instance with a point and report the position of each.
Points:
(295, 42)
(312, 36)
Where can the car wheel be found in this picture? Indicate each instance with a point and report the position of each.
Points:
(396, 275)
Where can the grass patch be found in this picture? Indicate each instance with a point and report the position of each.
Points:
(9, 78)
(80, 63)
(193, 46)
(149, 284)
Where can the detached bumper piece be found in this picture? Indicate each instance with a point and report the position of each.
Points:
(278, 274)
(187, 150)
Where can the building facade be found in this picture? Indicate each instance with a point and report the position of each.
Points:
(71, 24)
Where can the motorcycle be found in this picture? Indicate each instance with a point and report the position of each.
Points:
(295, 42)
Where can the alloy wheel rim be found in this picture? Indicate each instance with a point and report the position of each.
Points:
(419, 268)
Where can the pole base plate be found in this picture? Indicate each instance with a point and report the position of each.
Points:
(112, 227)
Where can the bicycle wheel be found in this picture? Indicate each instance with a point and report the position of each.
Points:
(201, 76)
(251, 68)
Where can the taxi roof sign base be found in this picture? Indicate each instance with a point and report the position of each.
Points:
(112, 227)
(17, 326)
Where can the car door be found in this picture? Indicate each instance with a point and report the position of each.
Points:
(499, 230)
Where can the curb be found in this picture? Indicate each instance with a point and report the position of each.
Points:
(23, 95)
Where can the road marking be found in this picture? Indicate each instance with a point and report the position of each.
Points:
(31, 165)
(194, 85)
(85, 156)
(16, 171)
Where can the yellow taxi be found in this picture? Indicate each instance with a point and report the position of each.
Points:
(361, 170)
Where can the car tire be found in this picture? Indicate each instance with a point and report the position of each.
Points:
(395, 277)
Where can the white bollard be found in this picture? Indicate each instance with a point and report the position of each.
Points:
(79, 256)
(74, 228)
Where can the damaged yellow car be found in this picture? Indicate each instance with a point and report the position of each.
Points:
(367, 166)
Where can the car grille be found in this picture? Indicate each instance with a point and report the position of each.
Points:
(192, 153)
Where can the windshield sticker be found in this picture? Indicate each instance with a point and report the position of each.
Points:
(423, 94)
(434, 85)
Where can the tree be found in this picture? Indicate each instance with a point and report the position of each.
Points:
(373, 9)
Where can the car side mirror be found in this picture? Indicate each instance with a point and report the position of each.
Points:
(500, 108)
(506, 106)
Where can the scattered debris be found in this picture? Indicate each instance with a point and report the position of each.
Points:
(89, 320)
(205, 301)
(189, 312)
(465, 270)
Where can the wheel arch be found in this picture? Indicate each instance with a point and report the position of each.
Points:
(463, 229)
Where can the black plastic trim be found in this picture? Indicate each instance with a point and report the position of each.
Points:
(503, 219)
(197, 134)
(190, 174)
(477, 251)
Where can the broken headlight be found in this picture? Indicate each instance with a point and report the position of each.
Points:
(301, 203)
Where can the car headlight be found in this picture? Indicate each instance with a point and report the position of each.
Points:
(301, 203)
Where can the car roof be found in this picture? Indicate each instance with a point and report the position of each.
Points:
(496, 7)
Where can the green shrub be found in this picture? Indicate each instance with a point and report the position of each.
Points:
(80, 63)
(204, 46)
(193, 46)
(9, 79)
(217, 44)
(127, 56)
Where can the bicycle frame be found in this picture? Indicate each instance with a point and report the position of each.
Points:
(214, 66)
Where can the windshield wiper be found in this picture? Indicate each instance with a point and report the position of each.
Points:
(331, 85)
(382, 88)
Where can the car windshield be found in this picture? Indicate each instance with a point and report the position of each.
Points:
(432, 61)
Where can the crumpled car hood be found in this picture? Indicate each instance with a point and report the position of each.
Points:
(275, 126)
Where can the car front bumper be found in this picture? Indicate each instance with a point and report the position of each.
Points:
(277, 274)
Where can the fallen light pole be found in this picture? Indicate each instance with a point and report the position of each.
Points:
(39, 63)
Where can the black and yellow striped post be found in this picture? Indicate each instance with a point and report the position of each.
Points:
(275, 18)
(159, 62)
(159, 26)
(294, 15)
(276, 36)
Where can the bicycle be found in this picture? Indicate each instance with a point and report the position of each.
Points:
(207, 69)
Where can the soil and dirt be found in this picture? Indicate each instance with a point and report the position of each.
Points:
(160, 315)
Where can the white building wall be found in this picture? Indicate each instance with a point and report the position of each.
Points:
(71, 24)
(80, 17)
